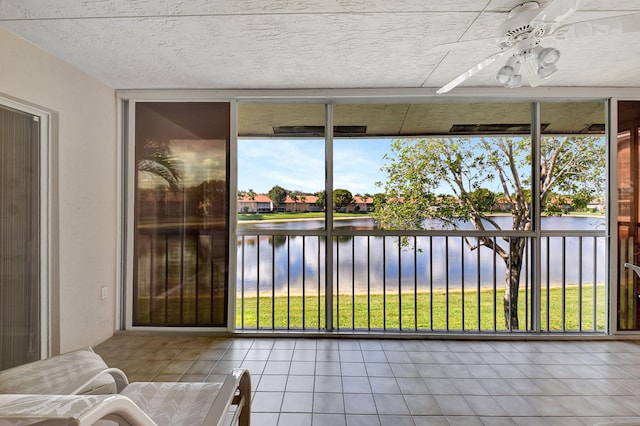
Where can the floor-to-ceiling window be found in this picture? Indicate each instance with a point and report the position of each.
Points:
(431, 217)
(573, 185)
(281, 189)
(428, 176)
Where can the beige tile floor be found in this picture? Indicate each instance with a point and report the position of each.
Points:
(335, 382)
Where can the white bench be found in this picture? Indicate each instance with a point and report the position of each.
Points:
(54, 391)
(76, 372)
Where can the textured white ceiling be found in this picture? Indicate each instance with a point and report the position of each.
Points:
(274, 44)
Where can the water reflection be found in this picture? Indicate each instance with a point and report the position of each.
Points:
(381, 263)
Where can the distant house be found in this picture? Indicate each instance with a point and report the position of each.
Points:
(303, 203)
(260, 203)
(502, 205)
(596, 205)
(560, 203)
(360, 204)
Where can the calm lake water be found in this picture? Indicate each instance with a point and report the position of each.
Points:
(427, 262)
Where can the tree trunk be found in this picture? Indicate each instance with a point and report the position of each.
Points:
(512, 282)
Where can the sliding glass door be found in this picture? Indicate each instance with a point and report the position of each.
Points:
(19, 238)
(628, 148)
(181, 214)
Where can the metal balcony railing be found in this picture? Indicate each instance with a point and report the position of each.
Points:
(418, 282)
(180, 277)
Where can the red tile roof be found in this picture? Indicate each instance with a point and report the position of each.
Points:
(362, 200)
(308, 199)
(258, 198)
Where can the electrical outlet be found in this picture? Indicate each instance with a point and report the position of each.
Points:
(105, 293)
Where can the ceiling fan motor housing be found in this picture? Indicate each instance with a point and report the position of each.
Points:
(518, 26)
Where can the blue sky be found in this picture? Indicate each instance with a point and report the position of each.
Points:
(299, 164)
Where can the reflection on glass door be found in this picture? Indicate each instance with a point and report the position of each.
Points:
(628, 217)
(181, 214)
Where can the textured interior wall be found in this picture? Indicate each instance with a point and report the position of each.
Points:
(85, 191)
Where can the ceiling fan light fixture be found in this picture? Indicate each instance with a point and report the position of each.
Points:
(516, 81)
(505, 74)
(509, 74)
(530, 69)
(549, 56)
(546, 72)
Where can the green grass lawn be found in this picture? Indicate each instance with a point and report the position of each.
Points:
(426, 311)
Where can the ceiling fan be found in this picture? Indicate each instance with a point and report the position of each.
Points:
(520, 39)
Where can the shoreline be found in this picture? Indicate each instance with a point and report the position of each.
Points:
(306, 219)
(298, 293)
(302, 219)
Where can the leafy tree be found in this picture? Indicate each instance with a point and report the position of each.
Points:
(417, 168)
(321, 201)
(484, 199)
(294, 198)
(206, 199)
(156, 158)
(341, 199)
(379, 200)
(581, 199)
(252, 196)
(556, 206)
(278, 195)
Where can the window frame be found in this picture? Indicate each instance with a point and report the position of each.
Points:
(331, 97)
(48, 229)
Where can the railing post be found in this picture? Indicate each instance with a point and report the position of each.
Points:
(328, 246)
(536, 291)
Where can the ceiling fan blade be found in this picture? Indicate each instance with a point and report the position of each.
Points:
(555, 12)
(465, 44)
(472, 71)
(598, 27)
